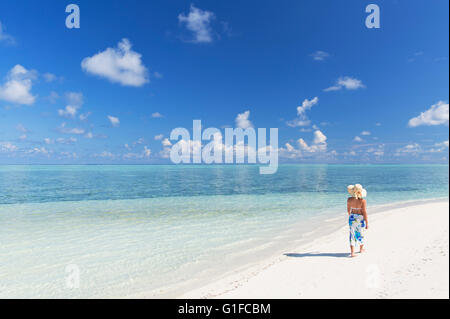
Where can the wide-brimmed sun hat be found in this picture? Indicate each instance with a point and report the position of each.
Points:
(357, 191)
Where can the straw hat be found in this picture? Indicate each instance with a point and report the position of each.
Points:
(357, 191)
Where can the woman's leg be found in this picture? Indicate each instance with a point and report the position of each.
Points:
(352, 251)
(361, 249)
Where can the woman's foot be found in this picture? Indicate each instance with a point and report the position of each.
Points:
(353, 255)
(361, 250)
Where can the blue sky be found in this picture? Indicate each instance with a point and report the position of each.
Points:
(112, 91)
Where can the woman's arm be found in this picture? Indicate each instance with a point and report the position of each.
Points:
(364, 211)
(348, 206)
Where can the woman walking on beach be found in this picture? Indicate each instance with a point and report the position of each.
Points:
(357, 217)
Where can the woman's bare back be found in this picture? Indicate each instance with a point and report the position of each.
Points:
(356, 203)
(356, 206)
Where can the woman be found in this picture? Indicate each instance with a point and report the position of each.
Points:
(356, 209)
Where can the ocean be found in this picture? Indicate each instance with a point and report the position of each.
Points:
(98, 231)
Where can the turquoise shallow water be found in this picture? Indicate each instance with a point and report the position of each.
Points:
(134, 229)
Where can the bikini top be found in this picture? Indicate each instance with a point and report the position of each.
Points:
(357, 209)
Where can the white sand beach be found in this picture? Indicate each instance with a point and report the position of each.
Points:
(407, 257)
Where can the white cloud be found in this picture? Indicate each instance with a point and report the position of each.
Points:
(299, 122)
(69, 140)
(319, 138)
(71, 155)
(74, 103)
(60, 140)
(303, 145)
(365, 133)
(165, 153)
(84, 116)
(289, 147)
(302, 119)
(159, 137)
(90, 135)
(114, 120)
(105, 154)
(198, 21)
(74, 98)
(306, 105)
(5, 37)
(50, 77)
(408, 150)
(357, 139)
(157, 115)
(75, 131)
(242, 120)
(134, 143)
(347, 83)
(319, 55)
(147, 151)
(120, 65)
(439, 147)
(7, 147)
(378, 151)
(241, 148)
(437, 114)
(443, 144)
(166, 142)
(415, 149)
(17, 88)
(289, 151)
(38, 150)
(69, 111)
(144, 154)
(319, 143)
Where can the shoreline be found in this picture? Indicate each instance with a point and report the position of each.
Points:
(249, 257)
(238, 258)
(259, 280)
(233, 257)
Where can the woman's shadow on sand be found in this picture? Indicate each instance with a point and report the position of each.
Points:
(336, 255)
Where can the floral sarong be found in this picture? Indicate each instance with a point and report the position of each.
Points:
(357, 224)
